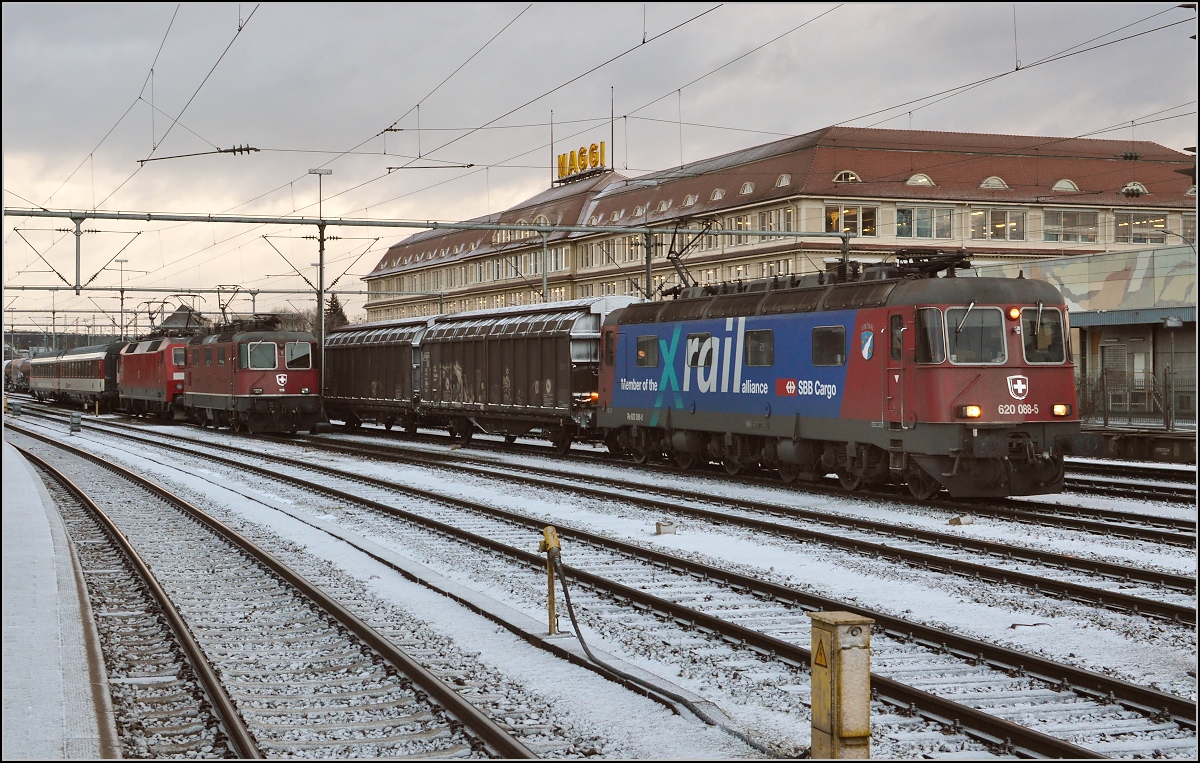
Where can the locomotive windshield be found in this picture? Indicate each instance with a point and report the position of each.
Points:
(931, 338)
(262, 356)
(297, 355)
(1043, 335)
(976, 335)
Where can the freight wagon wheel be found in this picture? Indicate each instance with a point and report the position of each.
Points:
(639, 455)
(509, 439)
(733, 467)
(388, 423)
(686, 460)
(788, 472)
(849, 480)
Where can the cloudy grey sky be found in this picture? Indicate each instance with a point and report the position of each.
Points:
(308, 83)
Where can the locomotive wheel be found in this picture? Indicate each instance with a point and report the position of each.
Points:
(850, 481)
(686, 460)
(639, 455)
(613, 443)
(788, 472)
(921, 484)
(235, 423)
(732, 466)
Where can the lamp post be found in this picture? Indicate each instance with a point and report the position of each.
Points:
(320, 173)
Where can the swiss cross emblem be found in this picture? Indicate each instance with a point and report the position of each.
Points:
(1018, 387)
(281, 379)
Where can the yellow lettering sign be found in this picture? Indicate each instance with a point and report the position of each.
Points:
(583, 159)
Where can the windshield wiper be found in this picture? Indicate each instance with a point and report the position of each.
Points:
(1038, 328)
(963, 322)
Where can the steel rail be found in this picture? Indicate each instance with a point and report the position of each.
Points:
(1093, 685)
(1097, 521)
(482, 726)
(1181, 583)
(231, 721)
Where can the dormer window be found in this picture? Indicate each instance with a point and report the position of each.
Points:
(1191, 191)
(920, 179)
(783, 180)
(1065, 186)
(639, 211)
(1133, 189)
(717, 194)
(995, 183)
(847, 176)
(747, 188)
(664, 205)
(690, 199)
(617, 216)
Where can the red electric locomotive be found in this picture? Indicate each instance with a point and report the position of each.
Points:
(150, 376)
(252, 377)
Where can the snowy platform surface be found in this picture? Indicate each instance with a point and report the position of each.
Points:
(51, 710)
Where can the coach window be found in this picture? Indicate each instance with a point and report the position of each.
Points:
(760, 348)
(208, 356)
(829, 346)
(896, 329)
(1042, 330)
(700, 350)
(177, 356)
(931, 337)
(647, 351)
(975, 334)
(262, 356)
(297, 355)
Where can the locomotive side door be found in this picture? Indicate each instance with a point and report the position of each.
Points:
(898, 342)
(608, 361)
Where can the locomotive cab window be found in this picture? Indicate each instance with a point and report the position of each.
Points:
(760, 348)
(1042, 334)
(297, 355)
(700, 350)
(610, 348)
(177, 356)
(976, 334)
(647, 351)
(829, 346)
(262, 356)
(931, 336)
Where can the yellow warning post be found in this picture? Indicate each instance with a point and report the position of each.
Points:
(841, 685)
(549, 545)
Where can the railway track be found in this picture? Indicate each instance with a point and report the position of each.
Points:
(992, 685)
(299, 673)
(1119, 587)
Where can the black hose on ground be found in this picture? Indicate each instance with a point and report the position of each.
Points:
(674, 697)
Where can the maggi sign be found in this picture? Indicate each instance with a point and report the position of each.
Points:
(583, 159)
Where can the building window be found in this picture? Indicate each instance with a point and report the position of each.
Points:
(639, 211)
(1141, 227)
(1065, 185)
(1189, 227)
(997, 225)
(776, 268)
(783, 180)
(776, 219)
(747, 188)
(616, 216)
(918, 222)
(859, 221)
(919, 179)
(995, 183)
(664, 205)
(610, 288)
(1083, 227)
(741, 222)
(690, 199)
(717, 194)
(846, 176)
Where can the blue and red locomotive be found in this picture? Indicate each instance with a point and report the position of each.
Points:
(890, 374)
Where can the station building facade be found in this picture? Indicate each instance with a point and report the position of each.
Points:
(1000, 198)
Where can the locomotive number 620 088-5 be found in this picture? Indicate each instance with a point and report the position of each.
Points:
(1008, 409)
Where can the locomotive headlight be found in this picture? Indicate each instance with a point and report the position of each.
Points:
(1062, 410)
(1014, 313)
(595, 395)
(970, 411)
(305, 391)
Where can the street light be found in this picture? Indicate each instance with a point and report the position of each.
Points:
(321, 173)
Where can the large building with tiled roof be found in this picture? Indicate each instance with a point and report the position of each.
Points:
(1002, 198)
